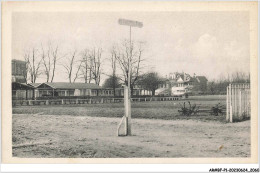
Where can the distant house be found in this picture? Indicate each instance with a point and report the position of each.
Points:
(183, 82)
(199, 84)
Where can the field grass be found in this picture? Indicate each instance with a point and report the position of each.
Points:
(167, 110)
(89, 131)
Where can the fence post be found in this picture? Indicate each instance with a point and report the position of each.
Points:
(240, 103)
(227, 104)
(30, 102)
(231, 117)
(230, 102)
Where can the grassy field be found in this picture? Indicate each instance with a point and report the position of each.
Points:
(167, 110)
(89, 131)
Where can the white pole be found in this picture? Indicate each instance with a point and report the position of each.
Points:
(126, 104)
(128, 118)
(227, 104)
(240, 103)
(230, 102)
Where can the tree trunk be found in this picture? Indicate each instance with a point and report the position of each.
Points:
(153, 92)
(132, 90)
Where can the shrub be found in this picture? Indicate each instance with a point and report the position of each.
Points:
(217, 109)
(244, 117)
(190, 110)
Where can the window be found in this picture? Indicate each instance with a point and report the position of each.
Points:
(62, 93)
(88, 92)
(94, 92)
(18, 70)
(71, 93)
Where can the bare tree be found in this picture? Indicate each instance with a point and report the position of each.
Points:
(33, 63)
(54, 52)
(132, 54)
(91, 65)
(113, 77)
(96, 64)
(70, 64)
(87, 65)
(49, 59)
(26, 71)
(240, 77)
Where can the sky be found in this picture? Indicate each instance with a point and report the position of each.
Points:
(212, 44)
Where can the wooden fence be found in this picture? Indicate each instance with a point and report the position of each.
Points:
(238, 102)
(88, 101)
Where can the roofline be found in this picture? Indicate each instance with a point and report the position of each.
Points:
(24, 84)
(47, 84)
(34, 83)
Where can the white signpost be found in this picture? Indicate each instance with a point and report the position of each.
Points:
(127, 97)
(130, 23)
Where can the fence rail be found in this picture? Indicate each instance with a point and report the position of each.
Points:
(88, 101)
(238, 102)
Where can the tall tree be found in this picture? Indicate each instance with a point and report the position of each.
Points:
(150, 81)
(33, 64)
(91, 65)
(70, 64)
(111, 82)
(49, 59)
(133, 54)
(86, 68)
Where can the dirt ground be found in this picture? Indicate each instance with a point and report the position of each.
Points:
(56, 136)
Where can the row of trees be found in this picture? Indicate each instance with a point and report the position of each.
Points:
(220, 86)
(86, 64)
(44, 62)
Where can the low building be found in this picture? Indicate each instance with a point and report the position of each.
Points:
(68, 89)
(137, 91)
(22, 91)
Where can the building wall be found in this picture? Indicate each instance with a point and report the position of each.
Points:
(18, 71)
(21, 94)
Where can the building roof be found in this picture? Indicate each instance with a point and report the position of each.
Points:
(35, 84)
(21, 86)
(65, 85)
(202, 78)
(19, 61)
(20, 79)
